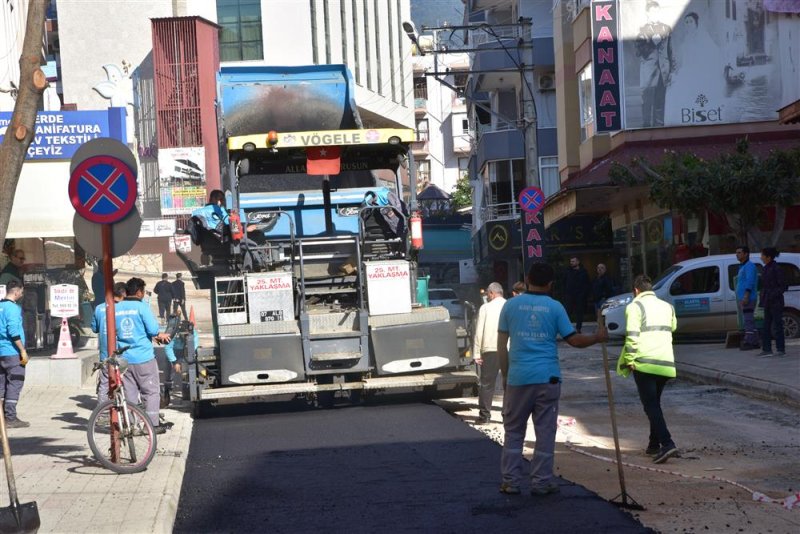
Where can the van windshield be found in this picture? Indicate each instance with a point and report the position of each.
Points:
(666, 274)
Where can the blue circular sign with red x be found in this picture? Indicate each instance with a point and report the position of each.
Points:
(531, 199)
(102, 189)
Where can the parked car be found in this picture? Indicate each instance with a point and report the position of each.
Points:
(444, 296)
(702, 292)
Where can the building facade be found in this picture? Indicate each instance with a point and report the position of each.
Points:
(443, 135)
(511, 94)
(639, 79)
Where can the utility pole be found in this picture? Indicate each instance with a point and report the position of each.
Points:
(529, 119)
(531, 224)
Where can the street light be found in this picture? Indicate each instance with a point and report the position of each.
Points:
(411, 31)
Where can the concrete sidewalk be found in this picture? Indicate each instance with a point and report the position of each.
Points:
(771, 377)
(53, 463)
(55, 468)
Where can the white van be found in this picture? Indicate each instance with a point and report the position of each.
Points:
(702, 292)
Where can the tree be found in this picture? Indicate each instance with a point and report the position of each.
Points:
(32, 83)
(461, 197)
(737, 186)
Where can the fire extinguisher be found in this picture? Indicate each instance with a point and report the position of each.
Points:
(236, 226)
(416, 231)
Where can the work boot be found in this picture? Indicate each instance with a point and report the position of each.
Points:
(13, 422)
(509, 489)
(665, 454)
(547, 489)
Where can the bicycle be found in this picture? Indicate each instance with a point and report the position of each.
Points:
(131, 437)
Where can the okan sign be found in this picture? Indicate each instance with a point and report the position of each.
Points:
(605, 55)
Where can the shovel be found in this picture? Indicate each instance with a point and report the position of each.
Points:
(17, 517)
(626, 501)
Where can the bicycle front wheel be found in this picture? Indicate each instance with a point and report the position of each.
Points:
(136, 438)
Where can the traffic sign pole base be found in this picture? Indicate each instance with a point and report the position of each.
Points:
(64, 343)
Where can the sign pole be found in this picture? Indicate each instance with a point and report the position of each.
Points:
(108, 282)
(111, 333)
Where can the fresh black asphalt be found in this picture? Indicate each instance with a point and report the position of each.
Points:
(383, 468)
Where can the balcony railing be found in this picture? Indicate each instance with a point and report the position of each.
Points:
(478, 36)
(420, 147)
(507, 210)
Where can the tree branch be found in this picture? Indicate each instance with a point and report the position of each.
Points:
(32, 83)
(649, 171)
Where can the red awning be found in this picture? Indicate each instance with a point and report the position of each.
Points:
(790, 114)
(596, 174)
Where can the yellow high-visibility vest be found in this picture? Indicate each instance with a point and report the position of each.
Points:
(648, 338)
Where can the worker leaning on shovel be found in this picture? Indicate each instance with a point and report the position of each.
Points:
(648, 354)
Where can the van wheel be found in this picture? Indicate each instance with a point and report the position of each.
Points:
(791, 324)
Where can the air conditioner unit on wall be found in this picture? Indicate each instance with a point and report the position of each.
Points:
(546, 81)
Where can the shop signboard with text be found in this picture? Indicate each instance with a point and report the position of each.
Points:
(64, 300)
(59, 134)
(605, 37)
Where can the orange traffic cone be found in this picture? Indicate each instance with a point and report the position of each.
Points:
(191, 316)
(64, 343)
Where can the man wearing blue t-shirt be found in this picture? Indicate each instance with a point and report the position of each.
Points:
(746, 297)
(532, 322)
(13, 356)
(137, 328)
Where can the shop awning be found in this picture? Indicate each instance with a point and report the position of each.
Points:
(790, 114)
(41, 204)
(592, 191)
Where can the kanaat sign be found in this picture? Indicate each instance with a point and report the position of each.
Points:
(606, 65)
(59, 133)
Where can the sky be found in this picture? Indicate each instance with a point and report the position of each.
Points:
(435, 13)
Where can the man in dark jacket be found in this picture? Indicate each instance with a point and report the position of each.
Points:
(602, 287)
(164, 291)
(577, 286)
(179, 296)
(773, 286)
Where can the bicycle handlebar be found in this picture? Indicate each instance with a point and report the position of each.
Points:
(113, 361)
(121, 350)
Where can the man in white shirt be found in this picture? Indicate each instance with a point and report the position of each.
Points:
(484, 349)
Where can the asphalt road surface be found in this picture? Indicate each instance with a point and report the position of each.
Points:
(381, 468)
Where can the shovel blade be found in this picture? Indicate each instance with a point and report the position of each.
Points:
(21, 518)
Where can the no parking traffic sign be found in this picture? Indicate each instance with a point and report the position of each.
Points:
(102, 189)
(531, 199)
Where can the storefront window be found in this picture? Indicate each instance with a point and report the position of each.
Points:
(622, 249)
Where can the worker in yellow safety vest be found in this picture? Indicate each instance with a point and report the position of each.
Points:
(648, 353)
